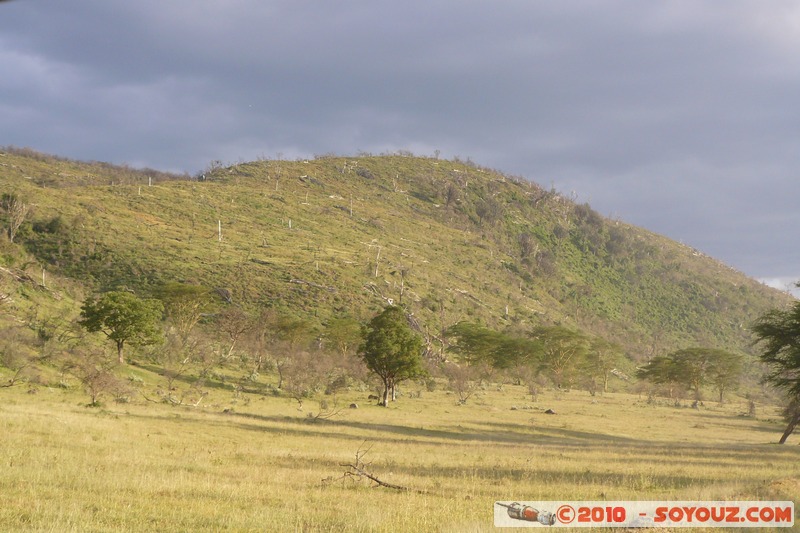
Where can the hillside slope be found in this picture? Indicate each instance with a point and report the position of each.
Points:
(343, 235)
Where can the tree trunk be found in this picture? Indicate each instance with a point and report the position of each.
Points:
(696, 388)
(790, 428)
(120, 358)
(385, 400)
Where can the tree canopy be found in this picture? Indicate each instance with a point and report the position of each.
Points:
(123, 318)
(475, 343)
(342, 334)
(391, 349)
(562, 351)
(185, 305)
(601, 358)
(778, 333)
(694, 368)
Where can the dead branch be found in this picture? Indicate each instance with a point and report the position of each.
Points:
(357, 471)
(326, 411)
(312, 284)
(18, 275)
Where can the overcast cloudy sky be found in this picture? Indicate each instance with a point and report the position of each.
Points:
(679, 116)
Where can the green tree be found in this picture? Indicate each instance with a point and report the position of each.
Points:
(725, 372)
(562, 350)
(185, 305)
(293, 331)
(778, 332)
(489, 210)
(391, 349)
(661, 370)
(694, 368)
(123, 318)
(600, 359)
(342, 334)
(474, 343)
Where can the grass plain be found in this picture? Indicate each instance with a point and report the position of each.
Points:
(255, 463)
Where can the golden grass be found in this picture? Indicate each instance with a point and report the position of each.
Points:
(265, 467)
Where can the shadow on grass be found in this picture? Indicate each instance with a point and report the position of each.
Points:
(624, 449)
(496, 435)
(550, 473)
(546, 455)
(208, 383)
(508, 434)
(735, 422)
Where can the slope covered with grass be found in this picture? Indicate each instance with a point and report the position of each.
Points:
(343, 235)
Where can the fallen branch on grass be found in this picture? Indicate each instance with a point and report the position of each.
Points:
(312, 284)
(357, 471)
(326, 411)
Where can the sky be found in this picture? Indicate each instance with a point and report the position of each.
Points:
(682, 117)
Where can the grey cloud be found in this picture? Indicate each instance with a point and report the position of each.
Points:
(677, 116)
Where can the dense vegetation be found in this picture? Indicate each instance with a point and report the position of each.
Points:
(284, 251)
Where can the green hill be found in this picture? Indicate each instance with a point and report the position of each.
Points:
(339, 236)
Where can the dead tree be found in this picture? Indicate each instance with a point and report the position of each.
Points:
(16, 210)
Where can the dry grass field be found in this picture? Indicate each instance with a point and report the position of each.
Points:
(259, 464)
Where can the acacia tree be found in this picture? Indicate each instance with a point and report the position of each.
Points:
(292, 334)
(562, 350)
(778, 331)
(123, 318)
(475, 343)
(185, 305)
(662, 370)
(391, 349)
(725, 372)
(342, 334)
(602, 357)
(694, 368)
(293, 331)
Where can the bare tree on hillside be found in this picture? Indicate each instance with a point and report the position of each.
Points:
(234, 324)
(95, 371)
(16, 355)
(16, 210)
(304, 375)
